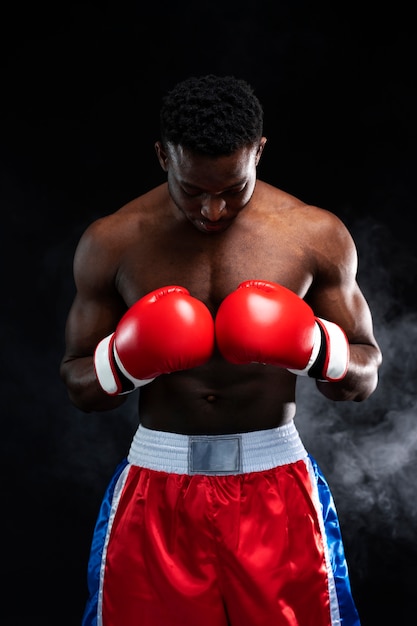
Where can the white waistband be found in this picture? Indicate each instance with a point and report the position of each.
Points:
(236, 453)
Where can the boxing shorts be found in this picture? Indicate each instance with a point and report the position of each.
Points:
(225, 530)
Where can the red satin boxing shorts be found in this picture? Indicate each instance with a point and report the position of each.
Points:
(228, 530)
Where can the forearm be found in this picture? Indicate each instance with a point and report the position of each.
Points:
(361, 379)
(83, 388)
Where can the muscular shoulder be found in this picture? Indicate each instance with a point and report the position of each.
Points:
(332, 255)
(323, 225)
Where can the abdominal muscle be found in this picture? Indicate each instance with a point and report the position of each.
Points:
(219, 398)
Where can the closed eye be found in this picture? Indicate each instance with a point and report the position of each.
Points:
(233, 191)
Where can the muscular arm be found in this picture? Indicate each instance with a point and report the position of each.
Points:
(96, 309)
(335, 295)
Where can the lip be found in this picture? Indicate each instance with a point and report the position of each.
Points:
(212, 227)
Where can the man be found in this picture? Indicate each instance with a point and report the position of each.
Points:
(211, 294)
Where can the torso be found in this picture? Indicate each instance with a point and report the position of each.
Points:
(164, 250)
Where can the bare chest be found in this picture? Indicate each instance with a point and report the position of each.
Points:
(210, 267)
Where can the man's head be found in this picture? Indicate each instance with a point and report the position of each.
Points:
(211, 115)
(211, 143)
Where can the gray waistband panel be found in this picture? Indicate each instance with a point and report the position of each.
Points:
(235, 453)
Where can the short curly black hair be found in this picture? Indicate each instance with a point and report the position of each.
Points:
(212, 115)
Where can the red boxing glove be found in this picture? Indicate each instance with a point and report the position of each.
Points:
(263, 322)
(165, 331)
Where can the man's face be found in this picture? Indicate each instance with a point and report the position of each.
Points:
(210, 191)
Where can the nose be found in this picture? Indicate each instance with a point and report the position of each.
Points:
(212, 208)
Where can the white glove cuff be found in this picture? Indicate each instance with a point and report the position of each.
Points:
(337, 350)
(330, 353)
(104, 365)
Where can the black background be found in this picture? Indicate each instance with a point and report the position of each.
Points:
(81, 85)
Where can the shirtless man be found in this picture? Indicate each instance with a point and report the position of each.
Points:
(208, 296)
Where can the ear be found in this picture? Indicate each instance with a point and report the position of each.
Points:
(162, 155)
(260, 149)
